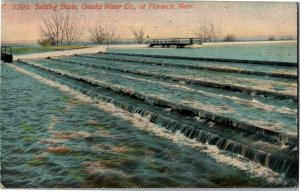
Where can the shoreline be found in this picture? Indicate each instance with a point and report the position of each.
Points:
(103, 48)
(247, 42)
(91, 50)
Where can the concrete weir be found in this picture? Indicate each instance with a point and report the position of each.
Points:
(288, 64)
(198, 67)
(208, 83)
(285, 164)
(289, 139)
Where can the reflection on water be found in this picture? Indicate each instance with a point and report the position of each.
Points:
(51, 139)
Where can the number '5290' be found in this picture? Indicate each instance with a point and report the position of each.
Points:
(20, 6)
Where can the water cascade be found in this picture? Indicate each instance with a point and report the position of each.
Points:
(276, 162)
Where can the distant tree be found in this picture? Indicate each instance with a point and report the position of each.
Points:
(71, 29)
(138, 34)
(207, 32)
(289, 37)
(102, 32)
(271, 38)
(46, 42)
(60, 28)
(229, 38)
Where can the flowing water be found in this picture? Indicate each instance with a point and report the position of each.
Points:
(98, 120)
(283, 121)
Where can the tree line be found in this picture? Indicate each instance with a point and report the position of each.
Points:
(65, 28)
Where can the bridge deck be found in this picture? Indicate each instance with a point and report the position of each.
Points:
(179, 42)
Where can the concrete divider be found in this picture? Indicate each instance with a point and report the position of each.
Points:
(273, 63)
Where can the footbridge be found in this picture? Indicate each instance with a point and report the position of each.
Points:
(178, 42)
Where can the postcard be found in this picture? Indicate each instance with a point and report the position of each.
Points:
(149, 94)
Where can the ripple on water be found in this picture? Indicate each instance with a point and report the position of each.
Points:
(59, 150)
(107, 147)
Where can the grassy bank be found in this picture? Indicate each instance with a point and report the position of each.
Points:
(39, 49)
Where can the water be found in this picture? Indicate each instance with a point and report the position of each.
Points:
(231, 108)
(238, 67)
(101, 121)
(54, 140)
(204, 136)
(186, 74)
(285, 52)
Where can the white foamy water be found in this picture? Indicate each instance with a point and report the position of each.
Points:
(253, 103)
(221, 109)
(253, 169)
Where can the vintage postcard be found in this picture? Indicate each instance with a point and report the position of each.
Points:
(149, 94)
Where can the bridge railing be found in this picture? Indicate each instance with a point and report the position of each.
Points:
(175, 41)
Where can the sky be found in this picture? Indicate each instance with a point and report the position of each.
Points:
(243, 19)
